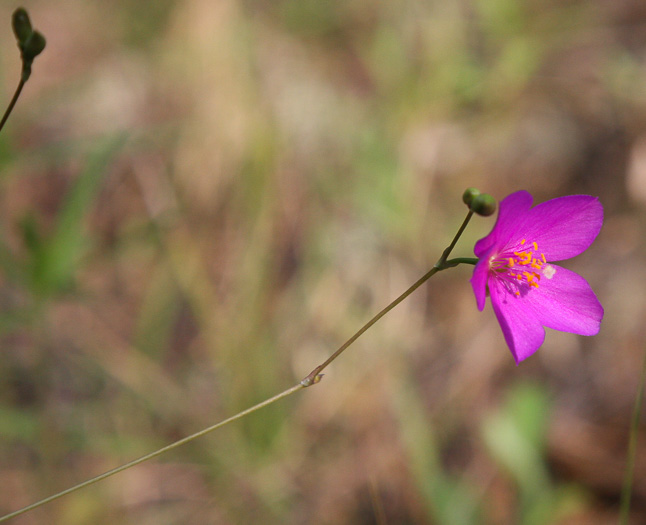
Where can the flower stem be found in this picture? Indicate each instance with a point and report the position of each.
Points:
(154, 454)
(445, 255)
(460, 260)
(14, 99)
(315, 375)
(312, 378)
(626, 491)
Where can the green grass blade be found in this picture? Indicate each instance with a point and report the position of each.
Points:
(626, 491)
(56, 262)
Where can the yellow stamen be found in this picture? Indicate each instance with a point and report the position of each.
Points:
(537, 266)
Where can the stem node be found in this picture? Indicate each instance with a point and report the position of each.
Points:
(312, 378)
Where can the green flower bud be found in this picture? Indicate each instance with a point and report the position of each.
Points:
(21, 25)
(33, 46)
(469, 194)
(483, 204)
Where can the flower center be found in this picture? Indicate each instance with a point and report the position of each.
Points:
(523, 267)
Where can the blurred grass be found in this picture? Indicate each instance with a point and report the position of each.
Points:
(200, 204)
(54, 260)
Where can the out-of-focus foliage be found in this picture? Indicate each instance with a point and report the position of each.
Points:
(200, 200)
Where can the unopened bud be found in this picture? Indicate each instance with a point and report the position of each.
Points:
(483, 204)
(470, 194)
(33, 46)
(21, 25)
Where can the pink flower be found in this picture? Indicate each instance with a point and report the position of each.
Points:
(528, 291)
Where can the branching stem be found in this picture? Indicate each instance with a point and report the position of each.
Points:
(315, 375)
(312, 378)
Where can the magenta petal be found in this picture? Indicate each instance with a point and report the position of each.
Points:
(479, 280)
(513, 210)
(523, 332)
(565, 226)
(565, 302)
(527, 293)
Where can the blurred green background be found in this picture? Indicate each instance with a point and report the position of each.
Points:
(201, 199)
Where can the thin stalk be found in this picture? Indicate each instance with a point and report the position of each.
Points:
(167, 448)
(21, 84)
(445, 255)
(315, 375)
(311, 379)
(626, 491)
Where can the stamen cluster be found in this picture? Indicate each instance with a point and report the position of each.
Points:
(521, 266)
